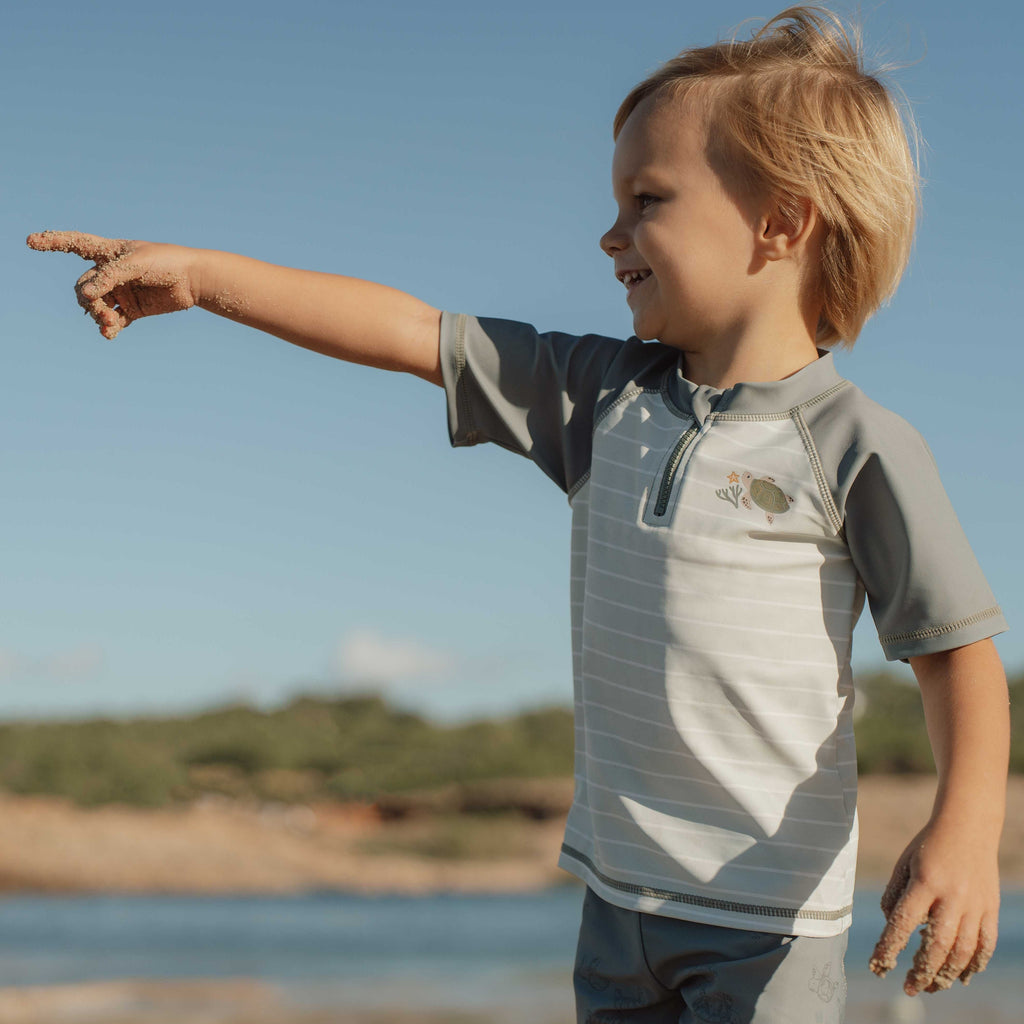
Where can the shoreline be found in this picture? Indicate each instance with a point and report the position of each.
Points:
(218, 847)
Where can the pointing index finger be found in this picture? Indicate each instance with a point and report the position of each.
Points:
(89, 247)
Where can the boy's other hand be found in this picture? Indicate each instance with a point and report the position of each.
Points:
(131, 279)
(940, 882)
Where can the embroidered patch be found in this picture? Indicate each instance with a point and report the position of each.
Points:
(748, 491)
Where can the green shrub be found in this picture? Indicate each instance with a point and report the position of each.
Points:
(360, 748)
(96, 763)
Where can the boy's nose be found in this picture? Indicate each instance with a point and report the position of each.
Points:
(613, 240)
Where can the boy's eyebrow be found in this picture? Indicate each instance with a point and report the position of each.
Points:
(650, 178)
(631, 175)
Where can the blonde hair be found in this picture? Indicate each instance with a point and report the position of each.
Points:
(793, 115)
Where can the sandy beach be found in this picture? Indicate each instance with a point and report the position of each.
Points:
(247, 1001)
(234, 1001)
(219, 846)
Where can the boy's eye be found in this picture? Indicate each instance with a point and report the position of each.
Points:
(645, 199)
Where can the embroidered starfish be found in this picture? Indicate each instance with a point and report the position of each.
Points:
(734, 478)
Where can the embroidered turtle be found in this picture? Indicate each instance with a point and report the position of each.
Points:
(766, 495)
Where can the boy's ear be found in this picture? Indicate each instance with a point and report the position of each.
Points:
(786, 227)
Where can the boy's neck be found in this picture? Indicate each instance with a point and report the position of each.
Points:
(772, 353)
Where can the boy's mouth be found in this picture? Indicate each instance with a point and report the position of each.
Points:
(631, 278)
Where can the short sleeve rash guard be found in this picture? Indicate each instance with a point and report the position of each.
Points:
(723, 545)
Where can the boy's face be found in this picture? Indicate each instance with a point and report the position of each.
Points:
(688, 239)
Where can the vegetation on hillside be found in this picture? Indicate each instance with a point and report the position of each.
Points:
(356, 748)
(361, 748)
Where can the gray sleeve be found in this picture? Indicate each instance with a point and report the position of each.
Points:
(532, 393)
(924, 586)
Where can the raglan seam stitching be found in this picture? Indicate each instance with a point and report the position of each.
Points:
(817, 469)
(574, 490)
(631, 391)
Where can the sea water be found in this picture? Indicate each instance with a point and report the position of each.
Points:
(443, 951)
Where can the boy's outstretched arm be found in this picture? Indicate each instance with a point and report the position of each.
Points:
(339, 316)
(948, 877)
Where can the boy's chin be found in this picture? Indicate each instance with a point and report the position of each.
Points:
(653, 335)
(645, 332)
(648, 328)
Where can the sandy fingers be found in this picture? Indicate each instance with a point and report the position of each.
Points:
(89, 247)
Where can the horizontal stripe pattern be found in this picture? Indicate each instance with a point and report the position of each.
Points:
(711, 658)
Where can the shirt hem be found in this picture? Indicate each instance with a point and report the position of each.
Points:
(706, 909)
(462, 430)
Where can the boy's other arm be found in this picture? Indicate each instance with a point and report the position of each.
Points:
(948, 877)
(344, 317)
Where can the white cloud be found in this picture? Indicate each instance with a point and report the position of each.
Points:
(69, 665)
(368, 657)
(84, 660)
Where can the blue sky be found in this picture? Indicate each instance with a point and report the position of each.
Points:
(198, 513)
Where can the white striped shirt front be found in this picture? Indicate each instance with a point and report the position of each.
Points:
(716, 772)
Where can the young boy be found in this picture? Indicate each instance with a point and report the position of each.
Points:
(734, 500)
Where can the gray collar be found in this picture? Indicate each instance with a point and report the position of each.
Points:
(755, 399)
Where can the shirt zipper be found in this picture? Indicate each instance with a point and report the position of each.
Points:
(669, 476)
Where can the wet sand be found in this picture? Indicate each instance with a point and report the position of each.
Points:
(232, 1001)
(250, 1001)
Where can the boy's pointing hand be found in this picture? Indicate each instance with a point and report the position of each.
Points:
(131, 279)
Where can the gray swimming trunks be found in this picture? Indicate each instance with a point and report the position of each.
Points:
(634, 968)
